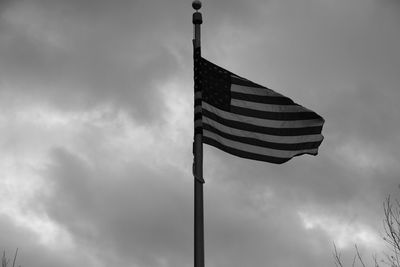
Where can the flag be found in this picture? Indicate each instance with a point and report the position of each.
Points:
(251, 121)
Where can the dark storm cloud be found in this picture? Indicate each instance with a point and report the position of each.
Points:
(142, 216)
(4, 4)
(137, 215)
(243, 229)
(368, 113)
(85, 53)
(338, 58)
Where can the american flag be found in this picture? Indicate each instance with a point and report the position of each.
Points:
(251, 121)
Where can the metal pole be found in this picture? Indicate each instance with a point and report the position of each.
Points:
(198, 157)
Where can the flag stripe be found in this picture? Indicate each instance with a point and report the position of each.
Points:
(281, 116)
(261, 129)
(257, 149)
(267, 107)
(251, 121)
(244, 82)
(243, 154)
(243, 138)
(260, 136)
(257, 121)
(277, 100)
(236, 88)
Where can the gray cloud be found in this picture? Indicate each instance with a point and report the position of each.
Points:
(30, 252)
(340, 59)
(137, 215)
(80, 54)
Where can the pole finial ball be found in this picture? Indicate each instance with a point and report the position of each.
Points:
(196, 4)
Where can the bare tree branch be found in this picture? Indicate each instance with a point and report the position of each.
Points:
(391, 236)
(15, 257)
(359, 256)
(336, 256)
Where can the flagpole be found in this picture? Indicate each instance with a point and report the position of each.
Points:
(198, 153)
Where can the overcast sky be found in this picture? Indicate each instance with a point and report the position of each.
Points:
(96, 125)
